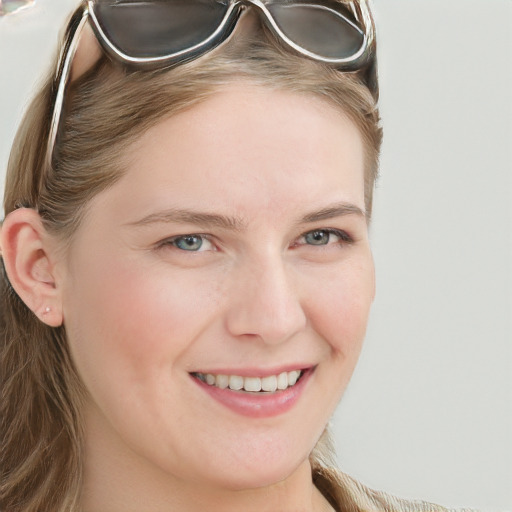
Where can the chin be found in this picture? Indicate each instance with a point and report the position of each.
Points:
(264, 467)
(258, 477)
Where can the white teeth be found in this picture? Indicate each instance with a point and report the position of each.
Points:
(222, 381)
(292, 377)
(282, 381)
(270, 384)
(236, 382)
(252, 384)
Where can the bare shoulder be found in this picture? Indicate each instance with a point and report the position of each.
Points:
(347, 494)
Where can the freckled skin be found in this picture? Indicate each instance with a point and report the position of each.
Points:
(142, 314)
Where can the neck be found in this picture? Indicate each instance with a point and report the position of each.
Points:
(118, 479)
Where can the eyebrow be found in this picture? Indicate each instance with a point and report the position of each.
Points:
(332, 211)
(191, 217)
(210, 220)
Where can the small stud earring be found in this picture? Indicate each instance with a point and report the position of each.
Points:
(47, 309)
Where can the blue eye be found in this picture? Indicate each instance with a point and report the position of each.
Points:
(189, 242)
(319, 237)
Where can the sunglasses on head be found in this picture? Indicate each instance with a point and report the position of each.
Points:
(151, 34)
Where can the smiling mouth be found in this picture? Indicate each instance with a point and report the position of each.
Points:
(269, 384)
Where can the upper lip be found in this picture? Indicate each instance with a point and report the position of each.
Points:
(255, 371)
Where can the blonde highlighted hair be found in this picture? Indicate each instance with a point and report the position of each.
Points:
(105, 111)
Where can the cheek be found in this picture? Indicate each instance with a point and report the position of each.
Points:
(340, 308)
(126, 322)
(338, 312)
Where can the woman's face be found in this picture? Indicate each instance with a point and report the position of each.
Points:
(233, 252)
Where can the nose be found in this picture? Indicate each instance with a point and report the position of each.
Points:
(265, 303)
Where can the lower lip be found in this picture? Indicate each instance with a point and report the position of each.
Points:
(258, 405)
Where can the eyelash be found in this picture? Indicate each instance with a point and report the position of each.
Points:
(174, 241)
(344, 239)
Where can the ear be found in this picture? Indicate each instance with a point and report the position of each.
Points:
(30, 256)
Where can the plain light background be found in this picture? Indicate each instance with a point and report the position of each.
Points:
(429, 411)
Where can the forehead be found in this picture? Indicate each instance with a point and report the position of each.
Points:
(249, 144)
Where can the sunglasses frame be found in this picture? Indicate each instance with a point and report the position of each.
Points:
(235, 9)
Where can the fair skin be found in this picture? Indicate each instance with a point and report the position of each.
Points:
(273, 272)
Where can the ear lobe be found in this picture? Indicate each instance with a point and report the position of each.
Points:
(29, 257)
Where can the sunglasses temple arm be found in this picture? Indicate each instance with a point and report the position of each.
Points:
(362, 12)
(74, 31)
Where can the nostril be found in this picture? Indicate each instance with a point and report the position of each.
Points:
(270, 323)
(264, 303)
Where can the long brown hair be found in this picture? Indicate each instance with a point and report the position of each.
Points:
(106, 109)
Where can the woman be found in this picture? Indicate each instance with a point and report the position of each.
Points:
(188, 273)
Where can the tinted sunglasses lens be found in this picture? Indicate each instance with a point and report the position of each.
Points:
(318, 29)
(158, 28)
